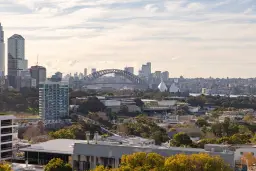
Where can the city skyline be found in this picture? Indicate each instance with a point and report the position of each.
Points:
(193, 39)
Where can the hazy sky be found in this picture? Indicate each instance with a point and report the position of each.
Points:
(193, 38)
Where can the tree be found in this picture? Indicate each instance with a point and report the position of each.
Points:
(181, 139)
(201, 122)
(197, 101)
(5, 166)
(139, 102)
(31, 132)
(154, 162)
(196, 162)
(142, 161)
(63, 134)
(57, 164)
(123, 110)
(248, 118)
(93, 104)
(248, 159)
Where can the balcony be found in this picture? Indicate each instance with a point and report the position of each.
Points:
(6, 155)
(6, 138)
(6, 123)
(6, 131)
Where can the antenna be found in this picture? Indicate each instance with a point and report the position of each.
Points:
(37, 60)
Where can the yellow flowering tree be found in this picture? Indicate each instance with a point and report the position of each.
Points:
(181, 162)
(5, 167)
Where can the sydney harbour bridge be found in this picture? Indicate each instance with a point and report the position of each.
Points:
(133, 79)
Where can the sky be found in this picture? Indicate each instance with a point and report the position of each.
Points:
(193, 38)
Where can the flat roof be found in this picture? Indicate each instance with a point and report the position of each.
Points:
(66, 146)
(7, 117)
(59, 146)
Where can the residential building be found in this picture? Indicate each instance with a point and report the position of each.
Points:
(16, 58)
(53, 100)
(2, 52)
(9, 135)
(129, 69)
(38, 73)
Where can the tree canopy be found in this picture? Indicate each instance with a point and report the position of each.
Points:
(154, 162)
(57, 164)
(5, 166)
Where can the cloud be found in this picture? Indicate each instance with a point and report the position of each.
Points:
(152, 8)
(195, 6)
(115, 34)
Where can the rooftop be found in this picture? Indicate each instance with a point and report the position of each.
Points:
(65, 146)
(6, 117)
(60, 146)
(17, 36)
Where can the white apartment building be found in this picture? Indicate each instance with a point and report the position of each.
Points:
(9, 134)
(53, 100)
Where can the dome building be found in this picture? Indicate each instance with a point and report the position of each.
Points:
(162, 87)
(174, 88)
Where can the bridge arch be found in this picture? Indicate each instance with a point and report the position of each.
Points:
(133, 78)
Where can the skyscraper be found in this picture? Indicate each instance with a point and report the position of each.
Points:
(85, 72)
(2, 52)
(165, 75)
(16, 58)
(129, 69)
(38, 73)
(53, 100)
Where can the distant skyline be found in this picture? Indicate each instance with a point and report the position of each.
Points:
(193, 38)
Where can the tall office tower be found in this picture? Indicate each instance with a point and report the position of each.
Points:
(129, 69)
(16, 58)
(149, 68)
(38, 73)
(165, 75)
(26, 80)
(146, 70)
(157, 74)
(53, 100)
(93, 70)
(2, 52)
(85, 72)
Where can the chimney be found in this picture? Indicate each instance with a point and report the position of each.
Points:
(96, 137)
(88, 136)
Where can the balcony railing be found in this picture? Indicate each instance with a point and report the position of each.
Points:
(6, 124)
(6, 148)
(6, 132)
(6, 140)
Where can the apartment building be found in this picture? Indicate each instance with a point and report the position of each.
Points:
(53, 100)
(9, 134)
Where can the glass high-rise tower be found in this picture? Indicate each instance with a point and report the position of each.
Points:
(2, 52)
(16, 58)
